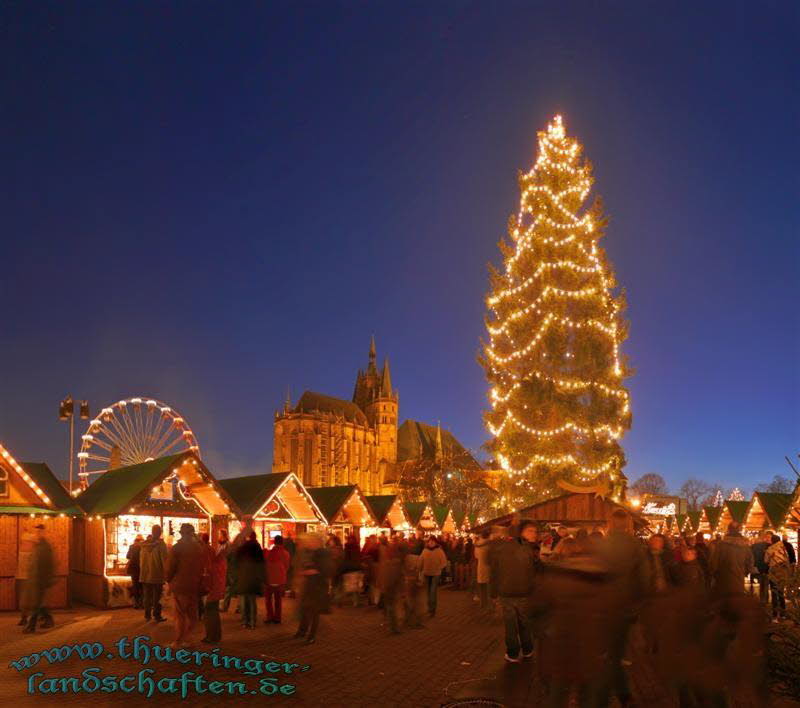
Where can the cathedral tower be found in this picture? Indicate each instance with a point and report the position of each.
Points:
(375, 396)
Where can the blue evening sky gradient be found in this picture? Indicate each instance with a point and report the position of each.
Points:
(208, 202)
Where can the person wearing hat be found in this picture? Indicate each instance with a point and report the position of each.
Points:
(41, 575)
(185, 566)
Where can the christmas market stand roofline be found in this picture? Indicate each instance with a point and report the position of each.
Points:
(416, 510)
(768, 510)
(122, 490)
(41, 481)
(382, 505)
(253, 494)
(566, 509)
(333, 501)
(708, 521)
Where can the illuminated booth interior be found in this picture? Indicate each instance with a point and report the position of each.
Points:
(30, 494)
(344, 510)
(277, 504)
(128, 501)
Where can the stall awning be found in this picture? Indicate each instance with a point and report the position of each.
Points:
(124, 489)
(388, 510)
(280, 496)
(342, 504)
(421, 515)
(768, 511)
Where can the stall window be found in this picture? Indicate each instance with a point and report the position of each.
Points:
(3, 482)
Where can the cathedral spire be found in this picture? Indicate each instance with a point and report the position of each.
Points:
(438, 441)
(386, 380)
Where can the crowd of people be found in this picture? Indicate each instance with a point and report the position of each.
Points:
(573, 599)
(579, 596)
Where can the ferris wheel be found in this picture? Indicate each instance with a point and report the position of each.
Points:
(132, 431)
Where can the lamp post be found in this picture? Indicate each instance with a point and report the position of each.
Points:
(66, 411)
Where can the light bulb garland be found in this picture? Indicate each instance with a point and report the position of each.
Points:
(546, 311)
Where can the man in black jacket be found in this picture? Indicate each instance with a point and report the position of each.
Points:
(513, 565)
(758, 549)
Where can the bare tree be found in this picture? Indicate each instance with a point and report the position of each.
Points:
(695, 490)
(779, 484)
(650, 483)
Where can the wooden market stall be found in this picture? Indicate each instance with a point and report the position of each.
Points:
(461, 521)
(30, 495)
(732, 511)
(708, 522)
(768, 512)
(692, 521)
(444, 518)
(421, 517)
(574, 510)
(344, 510)
(128, 501)
(276, 503)
(389, 514)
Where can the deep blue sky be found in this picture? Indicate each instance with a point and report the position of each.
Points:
(206, 202)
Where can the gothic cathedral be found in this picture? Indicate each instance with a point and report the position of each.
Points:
(328, 441)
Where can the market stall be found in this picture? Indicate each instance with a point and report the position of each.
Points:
(389, 514)
(732, 511)
(768, 512)
(127, 502)
(574, 510)
(344, 510)
(274, 504)
(31, 495)
(421, 517)
(708, 523)
(444, 519)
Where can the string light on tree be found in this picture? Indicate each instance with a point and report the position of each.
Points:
(558, 404)
(736, 495)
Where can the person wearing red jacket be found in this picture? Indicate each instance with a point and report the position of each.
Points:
(216, 572)
(277, 561)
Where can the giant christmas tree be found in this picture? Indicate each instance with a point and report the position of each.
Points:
(553, 361)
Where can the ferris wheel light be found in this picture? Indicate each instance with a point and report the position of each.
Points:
(133, 431)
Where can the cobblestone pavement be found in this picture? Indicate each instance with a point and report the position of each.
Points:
(355, 662)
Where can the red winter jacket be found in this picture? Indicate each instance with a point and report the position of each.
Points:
(217, 573)
(277, 560)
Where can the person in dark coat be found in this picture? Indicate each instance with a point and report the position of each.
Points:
(571, 603)
(133, 556)
(250, 578)
(624, 556)
(513, 568)
(41, 576)
(316, 572)
(762, 569)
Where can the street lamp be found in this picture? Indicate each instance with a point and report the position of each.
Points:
(66, 411)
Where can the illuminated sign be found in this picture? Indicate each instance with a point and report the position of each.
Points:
(655, 509)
